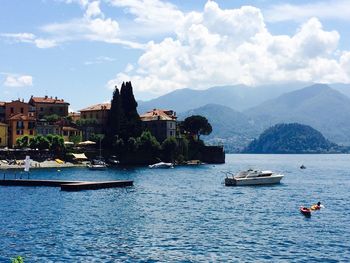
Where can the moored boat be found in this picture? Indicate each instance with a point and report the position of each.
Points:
(253, 177)
(161, 165)
(97, 165)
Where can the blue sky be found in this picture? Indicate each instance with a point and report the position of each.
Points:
(79, 49)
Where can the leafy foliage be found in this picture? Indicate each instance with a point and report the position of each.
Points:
(290, 138)
(197, 125)
(169, 149)
(52, 118)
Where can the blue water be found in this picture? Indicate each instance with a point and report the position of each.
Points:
(184, 214)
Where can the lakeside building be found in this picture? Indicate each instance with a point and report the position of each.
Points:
(161, 123)
(93, 119)
(3, 134)
(68, 133)
(98, 113)
(20, 125)
(74, 116)
(16, 107)
(45, 106)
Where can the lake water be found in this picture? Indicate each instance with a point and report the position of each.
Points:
(184, 214)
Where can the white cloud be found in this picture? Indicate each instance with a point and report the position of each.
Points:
(14, 80)
(29, 38)
(233, 46)
(151, 17)
(331, 9)
(93, 9)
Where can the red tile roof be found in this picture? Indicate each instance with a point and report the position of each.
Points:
(97, 107)
(48, 100)
(21, 117)
(157, 114)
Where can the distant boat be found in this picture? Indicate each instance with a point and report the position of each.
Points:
(98, 164)
(161, 165)
(302, 167)
(253, 177)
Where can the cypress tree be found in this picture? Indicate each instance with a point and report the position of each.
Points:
(114, 120)
(131, 126)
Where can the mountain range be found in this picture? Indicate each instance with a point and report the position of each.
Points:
(239, 114)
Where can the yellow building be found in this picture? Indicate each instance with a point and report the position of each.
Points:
(20, 125)
(3, 134)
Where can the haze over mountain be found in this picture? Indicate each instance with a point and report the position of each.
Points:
(319, 106)
(238, 97)
(230, 128)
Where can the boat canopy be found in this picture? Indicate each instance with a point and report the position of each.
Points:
(79, 156)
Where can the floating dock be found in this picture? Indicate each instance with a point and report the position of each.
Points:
(68, 185)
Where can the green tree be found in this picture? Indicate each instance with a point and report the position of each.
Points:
(23, 142)
(115, 117)
(169, 149)
(52, 118)
(197, 125)
(131, 124)
(39, 142)
(148, 147)
(57, 144)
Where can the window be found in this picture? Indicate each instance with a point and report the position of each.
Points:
(31, 132)
(0, 140)
(11, 110)
(65, 133)
(22, 110)
(41, 109)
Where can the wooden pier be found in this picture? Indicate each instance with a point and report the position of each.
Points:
(67, 185)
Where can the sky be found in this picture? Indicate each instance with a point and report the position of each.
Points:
(79, 50)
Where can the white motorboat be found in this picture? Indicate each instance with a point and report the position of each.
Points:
(253, 177)
(161, 165)
(97, 165)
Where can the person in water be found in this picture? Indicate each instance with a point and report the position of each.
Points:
(316, 206)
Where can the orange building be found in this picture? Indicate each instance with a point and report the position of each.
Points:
(98, 113)
(75, 116)
(20, 125)
(15, 107)
(45, 106)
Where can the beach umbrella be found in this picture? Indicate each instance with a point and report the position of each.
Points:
(85, 143)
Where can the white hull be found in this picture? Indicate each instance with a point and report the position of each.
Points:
(97, 167)
(273, 179)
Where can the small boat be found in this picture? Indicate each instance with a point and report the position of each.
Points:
(305, 211)
(161, 165)
(97, 164)
(253, 177)
(302, 167)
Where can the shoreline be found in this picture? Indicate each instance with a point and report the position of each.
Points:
(39, 165)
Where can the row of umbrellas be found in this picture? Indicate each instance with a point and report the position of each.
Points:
(84, 143)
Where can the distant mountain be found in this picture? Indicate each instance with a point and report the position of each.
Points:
(320, 106)
(231, 128)
(291, 138)
(238, 97)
